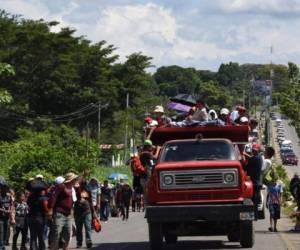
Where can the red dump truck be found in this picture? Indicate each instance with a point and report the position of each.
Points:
(198, 186)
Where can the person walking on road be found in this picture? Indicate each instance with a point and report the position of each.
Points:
(95, 189)
(21, 225)
(274, 193)
(37, 213)
(6, 205)
(295, 190)
(61, 204)
(106, 197)
(126, 194)
(84, 212)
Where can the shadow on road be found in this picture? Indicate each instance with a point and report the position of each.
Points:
(188, 245)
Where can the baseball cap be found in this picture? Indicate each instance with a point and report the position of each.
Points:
(39, 176)
(148, 143)
(244, 119)
(256, 147)
(59, 180)
(224, 111)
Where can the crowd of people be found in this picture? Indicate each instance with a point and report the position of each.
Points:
(198, 115)
(54, 212)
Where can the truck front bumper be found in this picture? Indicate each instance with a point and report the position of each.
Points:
(210, 212)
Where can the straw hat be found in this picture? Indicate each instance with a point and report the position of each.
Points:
(70, 177)
(158, 109)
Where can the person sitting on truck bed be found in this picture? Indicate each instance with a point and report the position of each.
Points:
(212, 115)
(158, 115)
(198, 112)
(241, 114)
(225, 116)
(253, 169)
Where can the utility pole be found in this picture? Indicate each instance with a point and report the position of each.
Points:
(100, 107)
(126, 126)
(87, 135)
(99, 122)
(269, 104)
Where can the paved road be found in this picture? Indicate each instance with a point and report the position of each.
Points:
(290, 134)
(133, 235)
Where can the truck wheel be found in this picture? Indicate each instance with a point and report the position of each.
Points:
(155, 236)
(247, 234)
(234, 236)
(170, 238)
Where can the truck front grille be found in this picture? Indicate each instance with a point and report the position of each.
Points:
(202, 178)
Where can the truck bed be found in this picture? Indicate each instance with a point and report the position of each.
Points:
(235, 133)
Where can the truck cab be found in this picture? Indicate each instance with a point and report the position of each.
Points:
(199, 186)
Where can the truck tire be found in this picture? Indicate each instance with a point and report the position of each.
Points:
(233, 236)
(170, 238)
(247, 234)
(155, 236)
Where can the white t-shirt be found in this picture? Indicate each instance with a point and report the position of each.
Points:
(234, 115)
(267, 164)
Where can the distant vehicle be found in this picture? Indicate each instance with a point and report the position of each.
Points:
(280, 139)
(280, 133)
(286, 152)
(284, 147)
(290, 159)
(280, 130)
(287, 143)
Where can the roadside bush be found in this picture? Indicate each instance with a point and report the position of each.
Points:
(283, 176)
(51, 152)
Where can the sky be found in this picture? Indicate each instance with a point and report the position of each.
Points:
(189, 33)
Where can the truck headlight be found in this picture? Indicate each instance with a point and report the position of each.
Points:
(228, 177)
(168, 180)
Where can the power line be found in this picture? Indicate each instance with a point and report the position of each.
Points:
(75, 115)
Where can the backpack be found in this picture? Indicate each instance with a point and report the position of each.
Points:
(136, 166)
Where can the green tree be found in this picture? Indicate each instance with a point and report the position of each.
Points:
(6, 70)
(52, 152)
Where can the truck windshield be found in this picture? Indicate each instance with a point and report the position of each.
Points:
(197, 151)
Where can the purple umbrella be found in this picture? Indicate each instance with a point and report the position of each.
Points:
(179, 107)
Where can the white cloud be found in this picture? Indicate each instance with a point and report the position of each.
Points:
(33, 9)
(153, 30)
(197, 35)
(36, 9)
(135, 28)
(260, 6)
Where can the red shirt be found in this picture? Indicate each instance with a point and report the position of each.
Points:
(61, 200)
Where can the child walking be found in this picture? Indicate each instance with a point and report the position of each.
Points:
(274, 202)
(21, 226)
